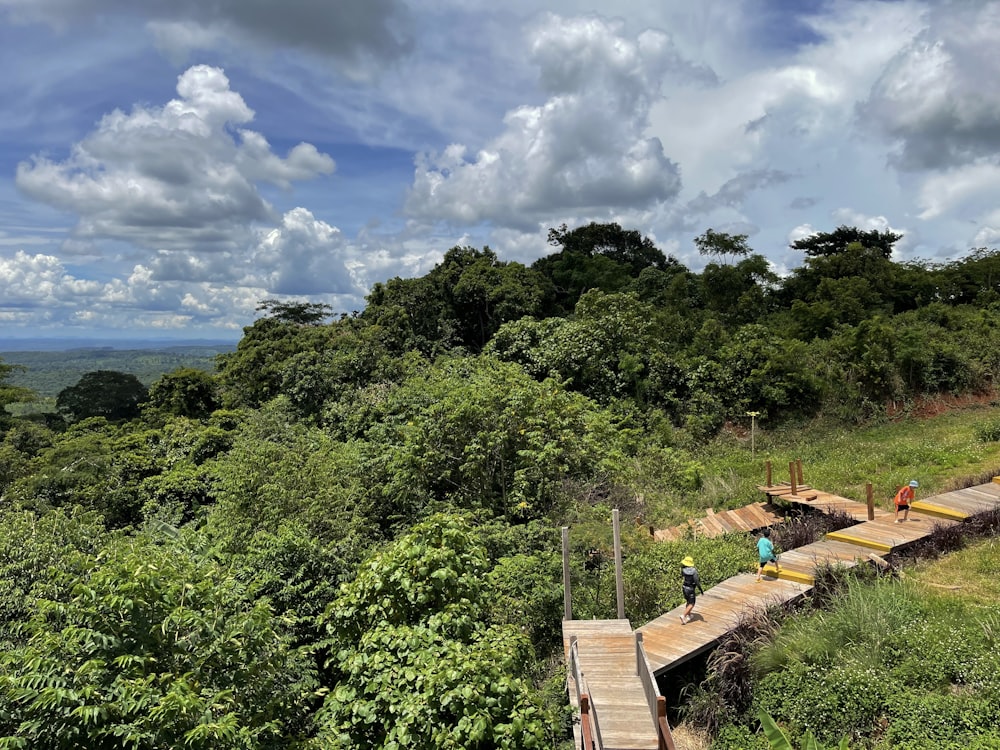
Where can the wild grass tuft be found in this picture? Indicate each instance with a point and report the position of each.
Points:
(865, 626)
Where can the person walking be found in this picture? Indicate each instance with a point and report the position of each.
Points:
(904, 497)
(689, 582)
(765, 553)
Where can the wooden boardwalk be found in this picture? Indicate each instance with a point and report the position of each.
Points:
(825, 502)
(668, 643)
(747, 518)
(960, 504)
(608, 662)
(607, 652)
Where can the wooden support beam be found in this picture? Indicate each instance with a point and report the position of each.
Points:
(567, 598)
(871, 501)
(619, 578)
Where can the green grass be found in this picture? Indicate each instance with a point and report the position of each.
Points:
(937, 451)
(909, 663)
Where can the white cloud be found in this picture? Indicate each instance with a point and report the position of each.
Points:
(963, 187)
(583, 149)
(172, 176)
(303, 256)
(934, 97)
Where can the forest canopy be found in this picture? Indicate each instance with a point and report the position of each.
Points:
(355, 518)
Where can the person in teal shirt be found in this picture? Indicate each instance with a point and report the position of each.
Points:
(765, 552)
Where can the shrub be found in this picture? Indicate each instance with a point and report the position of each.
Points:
(988, 432)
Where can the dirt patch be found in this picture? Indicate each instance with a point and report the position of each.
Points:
(932, 406)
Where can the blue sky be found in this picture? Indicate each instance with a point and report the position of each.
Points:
(166, 165)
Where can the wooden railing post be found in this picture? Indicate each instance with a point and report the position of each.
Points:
(665, 740)
(791, 473)
(586, 736)
(768, 482)
(567, 598)
(871, 501)
(619, 578)
(798, 464)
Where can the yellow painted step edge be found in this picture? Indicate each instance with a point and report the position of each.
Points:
(938, 511)
(841, 536)
(790, 575)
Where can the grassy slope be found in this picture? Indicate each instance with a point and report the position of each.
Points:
(938, 451)
(941, 451)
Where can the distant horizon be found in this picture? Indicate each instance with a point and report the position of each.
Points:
(67, 343)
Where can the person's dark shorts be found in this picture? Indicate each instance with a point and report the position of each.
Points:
(688, 594)
(902, 507)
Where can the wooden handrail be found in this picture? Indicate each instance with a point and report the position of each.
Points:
(664, 739)
(590, 728)
(586, 735)
(657, 703)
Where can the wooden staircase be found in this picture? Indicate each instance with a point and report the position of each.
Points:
(623, 708)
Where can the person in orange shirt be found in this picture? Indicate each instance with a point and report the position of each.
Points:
(903, 499)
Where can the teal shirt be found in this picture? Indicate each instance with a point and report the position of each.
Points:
(765, 550)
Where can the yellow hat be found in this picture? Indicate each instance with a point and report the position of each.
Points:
(688, 562)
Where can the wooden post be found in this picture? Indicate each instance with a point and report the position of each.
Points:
(567, 598)
(768, 482)
(665, 740)
(871, 501)
(619, 579)
(799, 466)
(791, 473)
(585, 734)
(639, 666)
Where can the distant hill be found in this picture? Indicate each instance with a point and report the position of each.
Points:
(8, 345)
(48, 371)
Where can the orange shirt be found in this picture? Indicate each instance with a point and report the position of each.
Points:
(904, 496)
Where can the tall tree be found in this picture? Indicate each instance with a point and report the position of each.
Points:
(721, 245)
(597, 256)
(186, 392)
(831, 243)
(103, 393)
(461, 302)
(414, 662)
(10, 394)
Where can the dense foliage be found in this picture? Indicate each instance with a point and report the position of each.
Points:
(347, 535)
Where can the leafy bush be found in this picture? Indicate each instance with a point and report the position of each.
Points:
(988, 432)
(412, 661)
(156, 646)
(651, 573)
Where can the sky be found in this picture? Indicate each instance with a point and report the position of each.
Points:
(166, 165)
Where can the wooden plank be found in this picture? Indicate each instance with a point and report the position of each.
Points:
(668, 642)
(607, 654)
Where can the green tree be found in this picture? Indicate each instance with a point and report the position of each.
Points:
(103, 393)
(157, 646)
(412, 662)
(460, 303)
(252, 375)
(11, 394)
(722, 244)
(478, 433)
(297, 313)
(33, 545)
(597, 256)
(185, 392)
(280, 471)
(823, 244)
